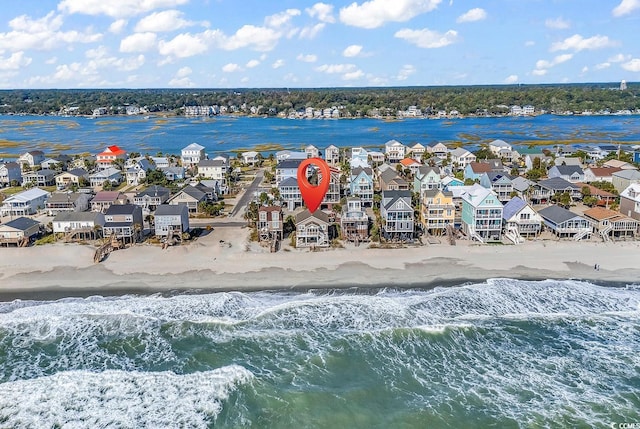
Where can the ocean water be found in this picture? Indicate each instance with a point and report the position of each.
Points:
(224, 134)
(502, 353)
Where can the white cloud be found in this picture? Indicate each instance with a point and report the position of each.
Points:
(557, 23)
(99, 58)
(252, 63)
(309, 58)
(16, 61)
(602, 66)
(475, 14)
(183, 72)
(51, 60)
(117, 26)
(511, 79)
(183, 82)
(585, 69)
(41, 34)
(426, 38)
(357, 74)
(138, 42)
(312, 31)
(541, 72)
(115, 9)
(625, 7)
(323, 11)
(529, 43)
(167, 20)
(618, 58)
(632, 65)
(579, 43)
(257, 38)
(336, 68)
(182, 46)
(375, 13)
(277, 64)
(559, 59)
(406, 71)
(231, 68)
(281, 19)
(352, 51)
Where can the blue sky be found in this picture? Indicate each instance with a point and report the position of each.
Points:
(258, 43)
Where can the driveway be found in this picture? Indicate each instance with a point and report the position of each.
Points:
(248, 194)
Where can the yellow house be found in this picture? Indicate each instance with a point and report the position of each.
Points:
(437, 211)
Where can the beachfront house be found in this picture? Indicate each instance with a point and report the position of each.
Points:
(215, 169)
(193, 195)
(394, 151)
(10, 172)
(25, 203)
(71, 177)
(461, 157)
(311, 151)
(171, 221)
(623, 179)
(544, 190)
(109, 174)
(250, 158)
(501, 149)
(19, 231)
(499, 182)
(417, 151)
(290, 193)
(570, 173)
(312, 229)
(270, 224)
(354, 221)
(160, 162)
(612, 225)
(52, 164)
(361, 184)
(332, 155)
(152, 197)
(426, 178)
(375, 157)
(566, 224)
(520, 220)
(123, 221)
(396, 212)
(78, 225)
(30, 159)
(437, 211)
(105, 199)
(191, 155)
(60, 202)
(39, 178)
(439, 150)
(630, 201)
(481, 214)
(286, 169)
(106, 158)
(389, 180)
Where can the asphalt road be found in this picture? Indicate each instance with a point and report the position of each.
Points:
(248, 194)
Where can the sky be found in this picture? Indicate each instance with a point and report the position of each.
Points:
(309, 44)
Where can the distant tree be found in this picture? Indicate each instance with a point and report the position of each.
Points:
(107, 185)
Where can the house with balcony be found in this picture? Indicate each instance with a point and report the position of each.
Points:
(570, 173)
(215, 169)
(462, 157)
(501, 149)
(191, 155)
(481, 214)
(630, 201)
(290, 193)
(160, 161)
(375, 157)
(389, 180)
(566, 224)
(417, 151)
(437, 211)
(19, 231)
(396, 212)
(282, 155)
(332, 196)
(332, 155)
(31, 159)
(106, 158)
(612, 225)
(544, 190)
(394, 151)
(136, 173)
(60, 202)
(439, 150)
(171, 221)
(361, 184)
(286, 169)
(499, 182)
(311, 151)
(77, 226)
(354, 221)
(270, 223)
(39, 178)
(71, 177)
(427, 178)
(152, 197)
(9, 172)
(105, 199)
(110, 174)
(124, 222)
(250, 157)
(25, 203)
(520, 220)
(359, 157)
(410, 164)
(312, 229)
(193, 195)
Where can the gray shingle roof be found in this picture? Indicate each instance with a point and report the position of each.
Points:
(557, 214)
(22, 223)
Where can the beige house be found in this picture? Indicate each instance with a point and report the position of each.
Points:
(18, 231)
(312, 229)
(71, 177)
(437, 211)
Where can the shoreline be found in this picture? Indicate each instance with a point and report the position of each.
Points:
(206, 266)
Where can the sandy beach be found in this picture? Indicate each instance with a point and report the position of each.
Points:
(226, 260)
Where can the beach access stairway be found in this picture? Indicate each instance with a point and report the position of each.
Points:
(513, 234)
(473, 235)
(582, 233)
(604, 233)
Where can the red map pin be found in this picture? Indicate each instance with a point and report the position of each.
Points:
(313, 195)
